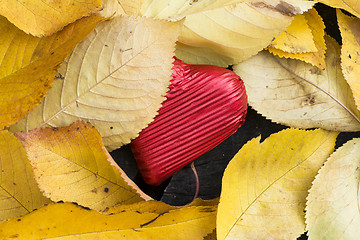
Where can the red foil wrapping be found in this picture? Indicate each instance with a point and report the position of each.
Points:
(204, 106)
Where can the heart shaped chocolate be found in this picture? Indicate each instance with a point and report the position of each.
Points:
(204, 106)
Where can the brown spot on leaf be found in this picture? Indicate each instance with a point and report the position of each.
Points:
(315, 70)
(309, 100)
(283, 7)
(59, 76)
(94, 190)
(106, 189)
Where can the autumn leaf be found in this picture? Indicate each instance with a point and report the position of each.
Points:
(116, 79)
(265, 185)
(43, 18)
(297, 38)
(297, 94)
(71, 164)
(68, 220)
(19, 193)
(316, 25)
(28, 65)
(350, 55)
(352, 6)
(158, 207)
(333, 201)
(177, 9)
(234, 33)
(112, 8)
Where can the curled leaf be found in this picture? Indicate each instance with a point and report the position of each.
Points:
(315, 57)
(43, 18)
(71, 164)
(66, 220)
(298, 94)
(352, 6)
(116, 79)
(265, 185)
(297, 38)
(19, 192)
(350, 54)
(332, 207)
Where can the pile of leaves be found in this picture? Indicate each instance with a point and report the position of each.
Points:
(79, 79)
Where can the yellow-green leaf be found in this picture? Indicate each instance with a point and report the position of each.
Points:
(350, 52)
(19, 193)
(332, 207)
(231, 34)
(297, 38)
(317, 57)
(43, 18)
(265, 185)
(69, 221)
(28, 65)
(297, 94)
(116, 79)
(71, 164)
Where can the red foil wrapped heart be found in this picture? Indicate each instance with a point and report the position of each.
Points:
(204, 106)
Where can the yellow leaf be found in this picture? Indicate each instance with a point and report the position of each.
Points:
(157, 207)
(68, 221)
(148, 206)
(297, 38)
(317, 57)
(332, 207)
(28, 65)
(298, 94)
(116, 79)
(350, 53)
(71, 164)
(231, 34)
(352, 6)
(112, 8)
(43, 18)
(177, 9)
(19, 193)
(265, 185)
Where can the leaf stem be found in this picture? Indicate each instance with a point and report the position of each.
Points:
(196, 179)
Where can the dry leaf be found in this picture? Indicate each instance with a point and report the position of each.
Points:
(265, 185)
(297, 38)
(332, 210)
(350, 53)
(69, 221)
(71, 164)
(43, 18)
(316, 58)
(28, 65)
(116, 79)
(352, 6)
(112, 8)
(177, 9)
(19, 193)
(158, 207)
(232, 34)
(144, 207)
(283, 90)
